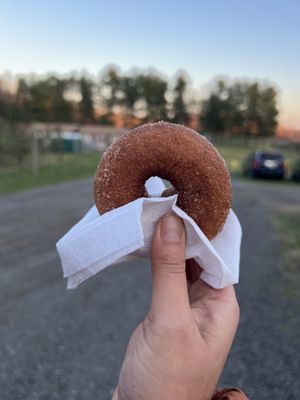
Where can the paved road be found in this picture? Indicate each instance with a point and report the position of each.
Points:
(58, 344)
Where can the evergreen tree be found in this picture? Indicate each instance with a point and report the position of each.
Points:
(241, 108)
(61, 109)
(179, 107)
(152, 90)
(111, 89)
(86, 104)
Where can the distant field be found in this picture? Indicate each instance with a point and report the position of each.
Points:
(56, 168)
(234, 156)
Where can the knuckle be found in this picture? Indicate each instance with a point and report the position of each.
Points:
(172, 263)
(172, 328)
(151, 319)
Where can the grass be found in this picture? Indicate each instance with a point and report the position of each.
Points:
(234, 156)
(287, 228)
(54, 169)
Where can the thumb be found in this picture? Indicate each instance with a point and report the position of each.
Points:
(169, 288)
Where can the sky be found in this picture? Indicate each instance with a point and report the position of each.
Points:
(257, 39)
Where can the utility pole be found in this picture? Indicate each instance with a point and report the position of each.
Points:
(34, 153)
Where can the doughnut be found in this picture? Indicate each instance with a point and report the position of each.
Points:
(195, 169)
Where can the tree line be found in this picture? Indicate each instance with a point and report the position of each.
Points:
(231, 108)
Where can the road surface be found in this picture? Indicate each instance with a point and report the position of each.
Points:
(59, 344)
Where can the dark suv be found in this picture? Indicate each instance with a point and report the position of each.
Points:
(264, 164)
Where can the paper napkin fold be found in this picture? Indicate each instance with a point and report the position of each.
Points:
(98, 241)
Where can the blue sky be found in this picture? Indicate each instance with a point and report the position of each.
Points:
(207, 38)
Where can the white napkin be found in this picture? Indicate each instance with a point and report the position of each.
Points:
(98, 241)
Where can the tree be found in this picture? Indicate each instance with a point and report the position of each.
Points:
(216, 110)
(22, 104)
(211, 117)
(14, 143)
(261, 111)
(41, 104)
(42, 100)
(130, 95)
(235, 108)
(241, 108)
(179, 107)
(5, 104)
(61, 109)
(152, 90)
(86, 104)
(110, 87)
(269, 112)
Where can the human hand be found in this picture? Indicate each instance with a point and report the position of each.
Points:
(179, 350)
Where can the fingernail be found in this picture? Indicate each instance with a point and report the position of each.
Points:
(171, 229)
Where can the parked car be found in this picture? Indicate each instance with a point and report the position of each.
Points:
(296, 171)
(264, 164)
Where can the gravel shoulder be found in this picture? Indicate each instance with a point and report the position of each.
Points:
(59, 344)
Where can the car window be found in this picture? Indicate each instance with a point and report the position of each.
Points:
(269, 156)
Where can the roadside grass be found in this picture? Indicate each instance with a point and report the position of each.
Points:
(54, 169)
(287, 229)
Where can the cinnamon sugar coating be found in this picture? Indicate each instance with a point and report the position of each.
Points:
(189, 161)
